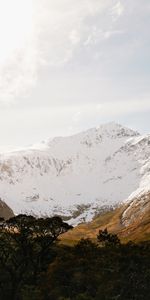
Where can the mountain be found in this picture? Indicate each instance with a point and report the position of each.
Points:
(77, 177)
(5, 211)
(130, 221)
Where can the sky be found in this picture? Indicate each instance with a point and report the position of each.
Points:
(70, 65)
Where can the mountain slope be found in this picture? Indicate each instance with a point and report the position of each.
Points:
(5, 211)
(131, 221)
(77, 176)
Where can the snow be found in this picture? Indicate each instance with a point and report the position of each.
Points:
(100, 167)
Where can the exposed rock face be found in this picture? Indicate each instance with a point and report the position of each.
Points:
(137, 210)
(5, 211)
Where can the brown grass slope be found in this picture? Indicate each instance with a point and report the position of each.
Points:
(129, 222)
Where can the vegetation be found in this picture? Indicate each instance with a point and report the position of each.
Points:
(25, 254)
(138, 230)
(34, 266)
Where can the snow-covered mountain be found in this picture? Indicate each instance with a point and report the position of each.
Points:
(77, 176)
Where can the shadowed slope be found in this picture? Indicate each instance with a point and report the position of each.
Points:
(5, 211)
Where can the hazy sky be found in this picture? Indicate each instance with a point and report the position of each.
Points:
(68, 65)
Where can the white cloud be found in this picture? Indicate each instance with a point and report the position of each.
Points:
(18, 75)
(36, 34)
(70, 64)
(117, 10)
(74, 37)
(17, 48)
(66, 28)
(111, 33)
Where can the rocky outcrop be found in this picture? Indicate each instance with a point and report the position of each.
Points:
(136, 210)
(5, 211)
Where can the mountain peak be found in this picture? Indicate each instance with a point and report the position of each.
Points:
(116, 129)
(76, 176)
(108, 130)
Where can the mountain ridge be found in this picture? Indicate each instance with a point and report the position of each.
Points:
(76, 176)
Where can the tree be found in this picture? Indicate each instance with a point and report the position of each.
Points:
(108, 239)
(26, 251)
(86, 247)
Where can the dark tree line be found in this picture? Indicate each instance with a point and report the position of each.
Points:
(33, 266)
(25, 252)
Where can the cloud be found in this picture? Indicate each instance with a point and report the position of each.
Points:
(74, 37)
(71, 64)
(18, 75)
(47, 34)
(67, 25)
(117, 10)
(112, 33)
(16, 48)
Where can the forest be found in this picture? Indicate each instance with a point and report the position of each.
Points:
(35, 265)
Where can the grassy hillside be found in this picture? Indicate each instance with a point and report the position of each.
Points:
(137, 230)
